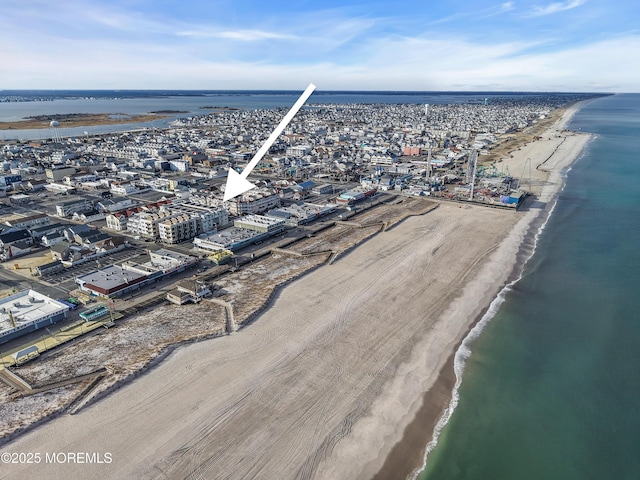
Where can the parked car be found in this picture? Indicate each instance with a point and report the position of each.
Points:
(72, 306)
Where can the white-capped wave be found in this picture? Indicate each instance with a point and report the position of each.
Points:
(464, 351)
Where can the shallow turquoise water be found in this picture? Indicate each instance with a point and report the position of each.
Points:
(552, 388)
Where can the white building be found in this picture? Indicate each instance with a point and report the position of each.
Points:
(260, 223)
(123, 189)
(26, 311)
(254, 201)
(179, 165)
(145, 224)
(29, 221)
(299, 150)
(209, 219)
(67, 209)
(58, 188)
(114, 206)
(117, 221)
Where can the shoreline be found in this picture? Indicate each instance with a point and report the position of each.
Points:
(435, 411)
(324, 377)
(81, 120)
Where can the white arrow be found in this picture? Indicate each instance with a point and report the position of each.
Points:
(237, 183)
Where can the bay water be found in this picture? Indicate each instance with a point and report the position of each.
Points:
(190, 103)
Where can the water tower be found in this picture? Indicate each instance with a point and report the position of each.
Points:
(56, 131)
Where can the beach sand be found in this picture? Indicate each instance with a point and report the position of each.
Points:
(325, 383)
(550, 157)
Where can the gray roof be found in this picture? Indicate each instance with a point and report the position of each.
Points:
(14, 236)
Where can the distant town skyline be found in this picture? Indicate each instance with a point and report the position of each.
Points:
(574, 45)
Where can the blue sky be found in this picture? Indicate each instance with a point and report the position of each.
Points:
(573, 45)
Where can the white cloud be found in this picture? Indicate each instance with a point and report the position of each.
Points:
(484, 13)
(399, 64)
(240, 35)
(329, 48)
(506, 7)
(555, 8)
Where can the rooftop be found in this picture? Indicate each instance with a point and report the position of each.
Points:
(27, 306)
(111, 277)
(230, 236)
(257, 220)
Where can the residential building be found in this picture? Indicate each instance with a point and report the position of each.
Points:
(145, 224)
(67, 209)
(57, 174)
(254, 201)
(117, 221)
(209, 219)
(36, 220)
(20, 199)
(177, 228)
(299, 150)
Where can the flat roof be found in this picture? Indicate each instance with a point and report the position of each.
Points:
(230, 236)
(167, 259)
(302, 211)
(257, 220)
(111, 277)
(27, 306)
(170, 255)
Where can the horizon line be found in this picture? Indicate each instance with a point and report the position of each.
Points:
(494, 92)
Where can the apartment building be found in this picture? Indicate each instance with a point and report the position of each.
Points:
(145, 224)
(67, 209)
(255, 201)
(208, 219)
(178, 228)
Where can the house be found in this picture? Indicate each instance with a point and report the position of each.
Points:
(67, 209)
(61, 251)
(189, 291)
(51, 267)
(36, 220)
(70, 232)
(88, 217)
(118, 221)
(16, 249)
(39, 232)
(8, 239)
(36, 185)
(69, 253)
(91, 237)
(52, 238)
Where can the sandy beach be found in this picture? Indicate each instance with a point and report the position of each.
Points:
(339, 379)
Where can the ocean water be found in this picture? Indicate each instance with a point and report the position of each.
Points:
(551, 389)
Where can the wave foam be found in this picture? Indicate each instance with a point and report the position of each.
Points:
(464, 351)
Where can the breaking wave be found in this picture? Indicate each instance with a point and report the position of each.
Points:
(464, 351)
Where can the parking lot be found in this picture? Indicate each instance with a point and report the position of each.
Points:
(73, 272)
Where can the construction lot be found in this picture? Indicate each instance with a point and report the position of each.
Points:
(103, 360)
